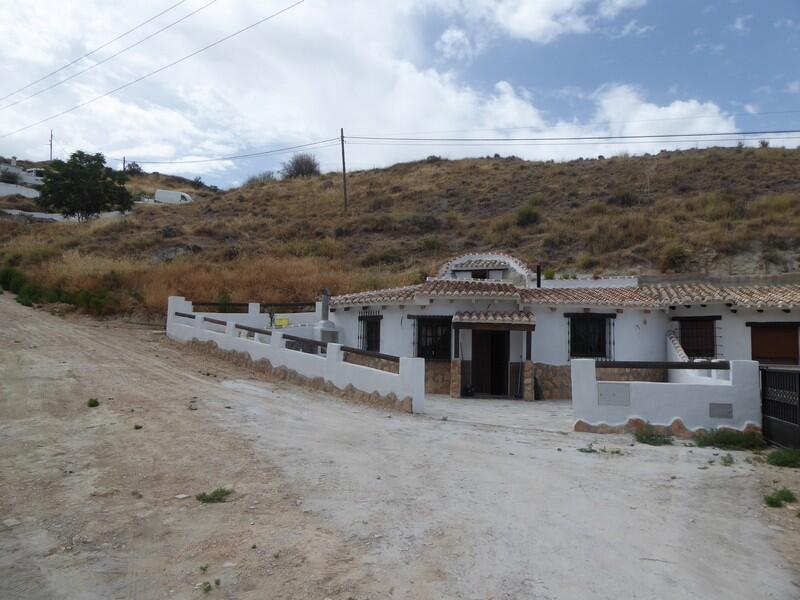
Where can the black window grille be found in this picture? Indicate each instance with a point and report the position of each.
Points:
(369, 331)
(480, 274)
(433, 337)
(591, 337)
(698, 337)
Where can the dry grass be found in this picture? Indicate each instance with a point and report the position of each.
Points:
(285, 240)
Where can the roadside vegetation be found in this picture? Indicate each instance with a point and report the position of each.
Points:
(651, 436)
(779, 497)
(729, 439)
(218, 495)
(785, 457)
(284, 239)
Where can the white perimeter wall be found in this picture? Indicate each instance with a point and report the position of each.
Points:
(707, 403)
(409, 382)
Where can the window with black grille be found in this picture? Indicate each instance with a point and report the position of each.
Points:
(369, 333)
(590, 336)
(698, 337)
(433, 337)
(480, 274)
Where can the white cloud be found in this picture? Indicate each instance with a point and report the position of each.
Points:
(299, 78)
(794, 87)
(784, 24)
(540, 21)
(454, 44)
(751, 108)
(740, 23)
(633, 28)
(708, 47)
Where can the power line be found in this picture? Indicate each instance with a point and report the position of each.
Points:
(80, 58)
(328, 143)
(629, 122)
(566, 143)
(576, 138)
(108, 58)
(151, 73)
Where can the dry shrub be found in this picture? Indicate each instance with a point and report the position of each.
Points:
(75, 271)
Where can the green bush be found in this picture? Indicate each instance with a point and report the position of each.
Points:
(785, 457)
(528, 214)
(651, 436)
(729, 439)
(779, 497)
(673, 258)
(218, 495)
(30, 294)
(12, 279)
(93, 403)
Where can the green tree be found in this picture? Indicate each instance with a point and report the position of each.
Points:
(84, 186)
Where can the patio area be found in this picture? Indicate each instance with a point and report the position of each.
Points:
(553, 416)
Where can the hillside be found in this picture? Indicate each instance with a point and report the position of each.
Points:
(717, 210)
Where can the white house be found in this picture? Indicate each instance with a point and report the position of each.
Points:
(486, 325)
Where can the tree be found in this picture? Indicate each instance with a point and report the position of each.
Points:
(84, 186)
(300, 165)
(133, 168)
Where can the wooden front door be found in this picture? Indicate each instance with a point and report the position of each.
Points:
(490, 362)
(775, 344)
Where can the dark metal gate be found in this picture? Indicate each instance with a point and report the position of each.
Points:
(780, 401)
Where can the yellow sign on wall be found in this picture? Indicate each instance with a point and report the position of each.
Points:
(281, 321)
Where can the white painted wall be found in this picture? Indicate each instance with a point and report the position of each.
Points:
(734, 342)
(591, 282)
(638, 335)
(614, 403)
(397, 329)
(409, 382)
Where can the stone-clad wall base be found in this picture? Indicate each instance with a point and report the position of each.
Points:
(455, 378)
(437, 376)
(676, 428)
(556, 380)
(274, 374)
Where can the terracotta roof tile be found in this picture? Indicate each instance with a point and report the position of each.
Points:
(469, 288)
(651, 296)
(519, 317)
(480, 263)
(401, 294)
(626, 296)
(744, 296)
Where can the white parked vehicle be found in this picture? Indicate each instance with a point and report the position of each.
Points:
(172, 197)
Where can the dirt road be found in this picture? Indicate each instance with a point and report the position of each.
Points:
(334, 500)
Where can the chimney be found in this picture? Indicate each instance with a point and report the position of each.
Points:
(538, 276)
(326, 295)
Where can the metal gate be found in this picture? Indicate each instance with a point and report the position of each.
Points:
(780, 401)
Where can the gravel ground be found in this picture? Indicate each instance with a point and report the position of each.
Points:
(335, 500)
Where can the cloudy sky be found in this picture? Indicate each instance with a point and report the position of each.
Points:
(391, 68)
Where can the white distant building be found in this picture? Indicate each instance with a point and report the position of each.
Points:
(31, 176)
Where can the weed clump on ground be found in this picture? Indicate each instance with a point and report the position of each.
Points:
(93, 403)
(218, 495)
(729, 439)
(785, 457)
(727, 460)
(779, 497)
(651, 436)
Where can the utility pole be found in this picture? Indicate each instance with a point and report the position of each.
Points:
(51, 144)
(123, 164)
(344, 173)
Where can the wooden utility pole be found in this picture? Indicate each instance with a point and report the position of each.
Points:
(51, 144)
(123, 164)
(344, 173)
